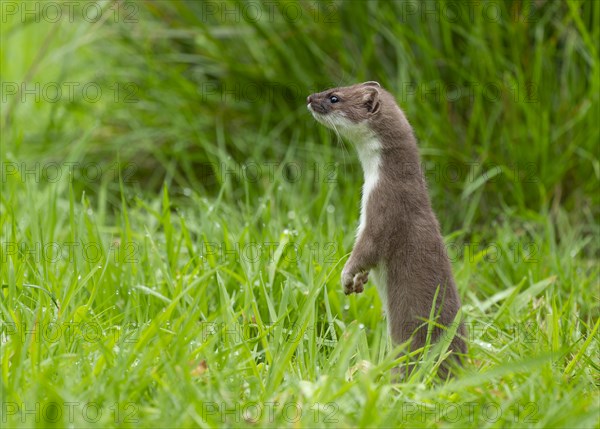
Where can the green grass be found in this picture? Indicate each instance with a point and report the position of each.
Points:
(194, 292)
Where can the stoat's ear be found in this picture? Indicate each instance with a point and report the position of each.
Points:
(371, 83)
(371, 100)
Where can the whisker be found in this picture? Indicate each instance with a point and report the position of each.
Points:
(339, 140)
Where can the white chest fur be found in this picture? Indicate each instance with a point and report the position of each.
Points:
(369, 153)
(370, 158)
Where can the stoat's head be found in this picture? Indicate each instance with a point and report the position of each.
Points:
(348, 109)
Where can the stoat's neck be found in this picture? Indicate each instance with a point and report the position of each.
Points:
(369, 154)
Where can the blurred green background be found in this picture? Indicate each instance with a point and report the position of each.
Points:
(166, 125)
(503, 91)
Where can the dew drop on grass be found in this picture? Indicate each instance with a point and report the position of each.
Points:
(347, 307)
(79, 277)
(361, 326)
(187, 192)
(291, 214)
(330, 208)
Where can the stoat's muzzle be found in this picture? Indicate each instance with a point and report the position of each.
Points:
(316, 105)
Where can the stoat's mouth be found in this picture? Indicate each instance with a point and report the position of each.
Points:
(316, 110)
(319, 117)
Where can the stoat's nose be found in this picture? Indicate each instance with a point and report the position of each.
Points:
(309, 99)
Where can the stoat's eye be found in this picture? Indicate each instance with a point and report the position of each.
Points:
(334, 99)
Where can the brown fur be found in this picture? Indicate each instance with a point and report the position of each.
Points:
(401, 232)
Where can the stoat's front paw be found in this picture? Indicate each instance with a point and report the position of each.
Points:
(354, 283)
